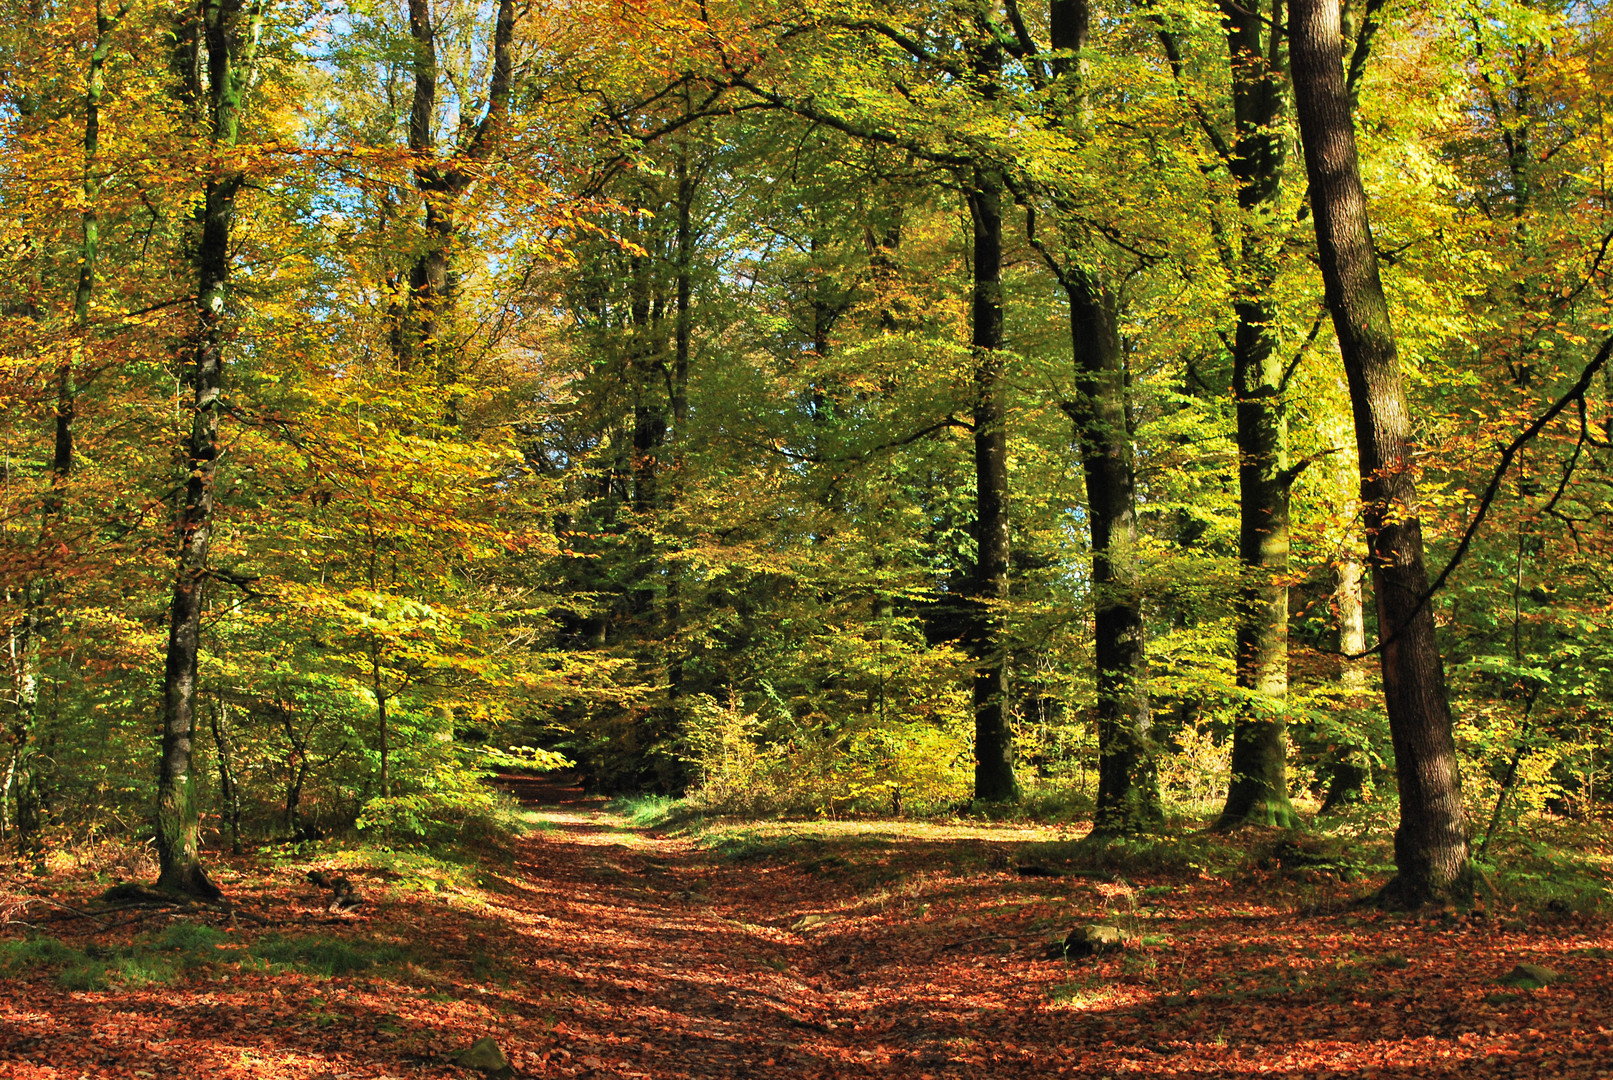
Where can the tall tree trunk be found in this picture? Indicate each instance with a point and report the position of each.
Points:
(1259, 789)
(1431, 851)
(678, 394)
(1128, 784)
(229, 36)
(994, 748)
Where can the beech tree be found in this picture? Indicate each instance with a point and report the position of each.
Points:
(1431, 854)
(217, 48)
(867, 407)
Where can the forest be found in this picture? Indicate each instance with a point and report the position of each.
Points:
(1171, 425)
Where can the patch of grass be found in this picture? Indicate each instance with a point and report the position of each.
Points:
(323, 954)
(90, 975)
(139, 970)
(190, 937)
(159, 959)
(1053, 803)
(1560, 868)
(655, 811)
(147, 962)
(36, 952)
(1181, 853)
(410, 871)
(743, 845)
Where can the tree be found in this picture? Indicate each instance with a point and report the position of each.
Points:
(1431, 855)
(425, 323)
(1128, 789)
(224, 35)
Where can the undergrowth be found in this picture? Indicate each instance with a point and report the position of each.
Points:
(1553, 866)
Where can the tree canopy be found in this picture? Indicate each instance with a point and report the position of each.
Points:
(1161, 408)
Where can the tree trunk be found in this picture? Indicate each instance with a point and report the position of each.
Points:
(678, 394)
(427, 317)
(1128, 783)
(382, 720)
(229, 37)
(1345, 773)
(229, 789)
(994, 749)
(1259, 788)
(1431, 852)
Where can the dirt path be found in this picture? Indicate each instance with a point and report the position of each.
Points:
(685, 964)
(605, 951)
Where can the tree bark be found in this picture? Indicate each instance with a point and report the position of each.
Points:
(229, 788)
(1345, 773)
(229, 36)
(1258, 793)
(1431, 850)
(994, 746)
(428, 315)
(1128, 784)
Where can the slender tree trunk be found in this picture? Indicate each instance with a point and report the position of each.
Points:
(229, 789)
(382, 719)
(229, 36)
(678, 393)
(1431, 851)
(296, 774)
(1345, 773)
(1259, 788)
(1128, 783)
(994, 748)
(5, 792)
(420, 341)
(427, 319)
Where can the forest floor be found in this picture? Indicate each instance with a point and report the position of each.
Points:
(877, 949)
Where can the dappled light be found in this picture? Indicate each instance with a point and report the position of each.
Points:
(602, 950)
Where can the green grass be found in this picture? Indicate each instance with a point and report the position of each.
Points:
(186, 947)
(1558, 867)
(654, 811)
(322, 954)
(37, 952)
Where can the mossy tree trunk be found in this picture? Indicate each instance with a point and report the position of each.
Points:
(1258, 792)
(226, 39)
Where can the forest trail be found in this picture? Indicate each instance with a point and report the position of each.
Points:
(687, 963)
(815, 950)
(931, 960)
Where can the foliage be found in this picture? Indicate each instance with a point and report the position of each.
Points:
(686, 497)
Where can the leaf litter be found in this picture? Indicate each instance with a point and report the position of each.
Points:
(901, 950)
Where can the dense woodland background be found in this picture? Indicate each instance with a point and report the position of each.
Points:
(812, 408)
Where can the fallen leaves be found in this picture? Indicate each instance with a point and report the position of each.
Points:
(903, 959)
